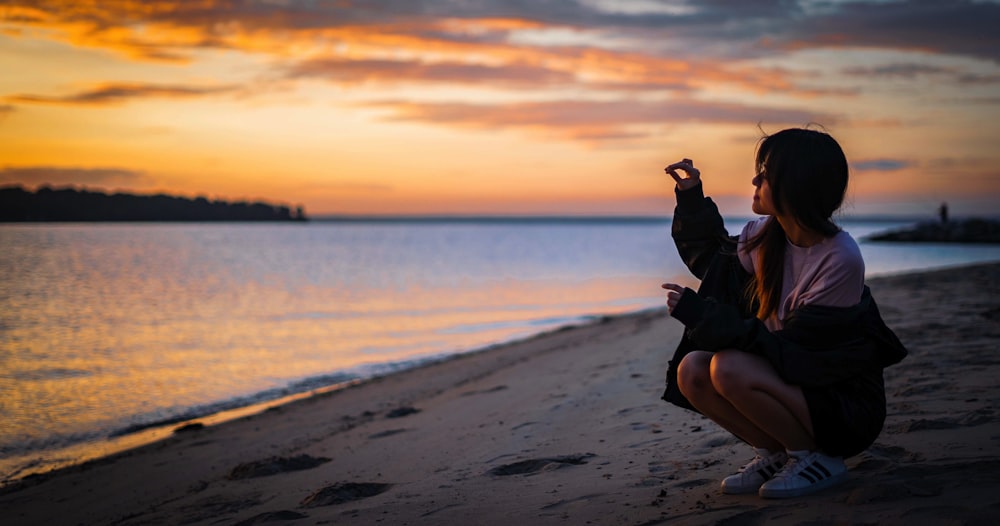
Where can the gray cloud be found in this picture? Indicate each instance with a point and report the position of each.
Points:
(718, 27)
(732, 28)
(52, 175)
(960, 27)
(973, 79)
(903, 70)
(880, 165)
(910, 71)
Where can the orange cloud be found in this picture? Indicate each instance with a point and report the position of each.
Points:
(117, 93)
(129, 27)
(504, 65)
(592, 120)
(42, 175)
(348, 71)
(349, 44)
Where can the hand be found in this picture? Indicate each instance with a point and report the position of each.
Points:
(674, 292)
(693, 178)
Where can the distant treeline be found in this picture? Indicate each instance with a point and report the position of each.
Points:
(69, 204)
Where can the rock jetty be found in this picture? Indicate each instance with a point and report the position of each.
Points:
(973, 230)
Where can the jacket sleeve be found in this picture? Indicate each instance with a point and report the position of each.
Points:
(803, 353)
(698, 230)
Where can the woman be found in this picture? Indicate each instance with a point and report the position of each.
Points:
(784, 345)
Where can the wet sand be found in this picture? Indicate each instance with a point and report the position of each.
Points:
(565, 428)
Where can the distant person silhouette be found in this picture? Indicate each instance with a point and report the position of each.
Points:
(943, 212)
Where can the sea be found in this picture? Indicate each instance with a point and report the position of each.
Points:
(114, 334)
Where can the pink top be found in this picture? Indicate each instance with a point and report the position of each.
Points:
(830, 273)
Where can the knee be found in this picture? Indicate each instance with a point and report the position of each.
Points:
(693, 373)
(728, 373)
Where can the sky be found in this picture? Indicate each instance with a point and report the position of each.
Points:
(497, 107)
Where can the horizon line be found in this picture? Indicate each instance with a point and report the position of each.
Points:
(574, 218)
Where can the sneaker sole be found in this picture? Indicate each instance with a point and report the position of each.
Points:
(740, 491)
(780, 493)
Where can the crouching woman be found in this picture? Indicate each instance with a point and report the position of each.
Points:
(784, 346)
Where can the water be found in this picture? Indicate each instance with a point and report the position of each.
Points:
(108, 329)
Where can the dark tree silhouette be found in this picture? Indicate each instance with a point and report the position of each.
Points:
(70, 204)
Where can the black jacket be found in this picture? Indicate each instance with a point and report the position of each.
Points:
(818, 346)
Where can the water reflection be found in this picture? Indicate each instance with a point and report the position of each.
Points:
(106, 326)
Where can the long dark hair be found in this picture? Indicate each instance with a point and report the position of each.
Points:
(807, 173)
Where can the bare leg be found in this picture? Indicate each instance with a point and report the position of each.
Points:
(694, 379)
(753, 388)
(744, 394)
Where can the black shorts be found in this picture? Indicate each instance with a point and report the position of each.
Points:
(848, 416)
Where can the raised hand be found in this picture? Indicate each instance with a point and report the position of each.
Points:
(693, 175)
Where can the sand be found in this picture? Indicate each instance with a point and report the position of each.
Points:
(565, 428)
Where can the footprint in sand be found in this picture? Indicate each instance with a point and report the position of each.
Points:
(273, 516)
(535, 465)
(485, 391)
(215, 506)
(387, 433)
(274, 466)
(923, 424)
(695, 483)
(891, 454)
(921, 388)
(344, 492)
(401, 412)
(991, 314)
(974, 418)
(187, 428)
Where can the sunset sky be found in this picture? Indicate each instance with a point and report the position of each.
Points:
(497, 107)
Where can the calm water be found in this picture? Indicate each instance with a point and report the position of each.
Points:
(107, 328)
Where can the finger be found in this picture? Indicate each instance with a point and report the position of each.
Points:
(674, 174)
(673, 286)
(691, 171)
(684, 162)
(671, 304)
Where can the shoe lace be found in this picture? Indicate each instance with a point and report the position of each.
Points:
(791, 467)
(754, 464)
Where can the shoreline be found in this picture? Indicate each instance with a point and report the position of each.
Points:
(31, 465)
(129, 436)
(95, 450)
(564, 427)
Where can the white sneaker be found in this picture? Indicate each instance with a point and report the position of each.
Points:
(805, 473)
(757, 472)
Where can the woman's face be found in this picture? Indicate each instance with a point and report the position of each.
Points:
(762, 202)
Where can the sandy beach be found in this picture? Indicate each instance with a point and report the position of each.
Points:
(564, 428)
